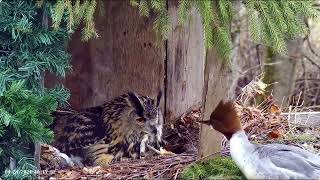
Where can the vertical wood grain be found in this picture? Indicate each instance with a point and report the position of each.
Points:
(185, 64)
(124, 58)
(216, 87)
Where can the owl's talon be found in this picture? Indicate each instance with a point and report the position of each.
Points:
(164, 152)
(104, 160)
(142, 155)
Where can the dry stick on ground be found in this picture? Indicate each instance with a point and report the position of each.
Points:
(309, 79)
(311, 48)
(305, 83)
(317, 93)
(311, 61)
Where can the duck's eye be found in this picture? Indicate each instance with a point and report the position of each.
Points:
(141, 120)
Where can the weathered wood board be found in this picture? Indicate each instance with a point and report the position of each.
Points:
(185, 64)
(124, 58)
(215, 89)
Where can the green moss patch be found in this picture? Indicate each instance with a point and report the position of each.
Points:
(216, 168)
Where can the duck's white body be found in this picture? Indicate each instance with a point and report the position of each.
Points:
(273, 161)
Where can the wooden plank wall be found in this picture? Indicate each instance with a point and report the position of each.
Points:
(78, 81)
(185, 64)
(125, 58)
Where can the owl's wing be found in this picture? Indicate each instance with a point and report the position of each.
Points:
(94, 113)
(76, 130)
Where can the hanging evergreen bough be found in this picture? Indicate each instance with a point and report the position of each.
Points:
(162, 23)
(73, 13)
(270, 22)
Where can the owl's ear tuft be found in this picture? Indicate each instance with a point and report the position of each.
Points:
(136, 103)
(159, 98)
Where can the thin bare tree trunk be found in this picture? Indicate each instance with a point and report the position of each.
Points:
(37, 145)
(235, 56)
(283, 70)
(287, 69)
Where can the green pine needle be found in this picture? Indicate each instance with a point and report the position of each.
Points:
(269, 22)
(144, 9)
(89, 30)
(58, 13)
(184, 11)
(72, 13)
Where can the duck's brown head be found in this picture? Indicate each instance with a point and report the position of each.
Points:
(225, 119)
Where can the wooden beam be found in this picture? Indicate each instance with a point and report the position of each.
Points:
(185, 63)
(215, 89)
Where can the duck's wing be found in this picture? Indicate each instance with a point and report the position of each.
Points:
(291, 159)
(309, 156)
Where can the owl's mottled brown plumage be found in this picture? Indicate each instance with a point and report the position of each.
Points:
(120, 128)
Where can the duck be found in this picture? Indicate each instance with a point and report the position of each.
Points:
(262, 161)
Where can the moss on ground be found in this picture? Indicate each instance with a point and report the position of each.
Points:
(304, 138)
(216, 168)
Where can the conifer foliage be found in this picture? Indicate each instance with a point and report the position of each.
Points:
(162, 21)
(73, 13)
(270, 22)
(28, 48)
(25, 117)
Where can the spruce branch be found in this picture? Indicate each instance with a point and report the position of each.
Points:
(58, 13)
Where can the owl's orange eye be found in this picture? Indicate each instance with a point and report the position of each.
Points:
(141, 120)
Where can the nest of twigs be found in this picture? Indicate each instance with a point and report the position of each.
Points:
(263, 121)
(183, 135)
(157, 167)
(266, 122)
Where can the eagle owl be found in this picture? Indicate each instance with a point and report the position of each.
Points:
(122, 127)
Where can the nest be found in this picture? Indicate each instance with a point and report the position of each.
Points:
(266, 122)
(157, 167)
(183, 135)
